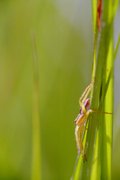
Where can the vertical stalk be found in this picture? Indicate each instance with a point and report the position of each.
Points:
(107, 98)
(98, 139)
(36, 166)
(106, 146)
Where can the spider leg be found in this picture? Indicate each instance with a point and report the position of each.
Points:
(86, 93)
(82, 107)
(80, 129)
(84, 97)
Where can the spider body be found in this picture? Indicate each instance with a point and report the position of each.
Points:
(80, 121)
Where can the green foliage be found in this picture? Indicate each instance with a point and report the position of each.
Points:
(62, 53)
(98, 142)
(36, 128)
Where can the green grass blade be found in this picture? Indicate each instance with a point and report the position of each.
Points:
(36, 161)
(98, 140)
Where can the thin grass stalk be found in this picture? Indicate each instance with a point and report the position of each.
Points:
(36, 159)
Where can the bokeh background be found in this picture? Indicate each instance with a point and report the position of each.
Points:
(64, 43)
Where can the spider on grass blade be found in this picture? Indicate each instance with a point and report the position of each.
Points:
(81, 119)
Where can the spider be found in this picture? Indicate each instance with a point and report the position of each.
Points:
(81, 119)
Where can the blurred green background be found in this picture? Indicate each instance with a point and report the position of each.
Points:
(63, 33)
